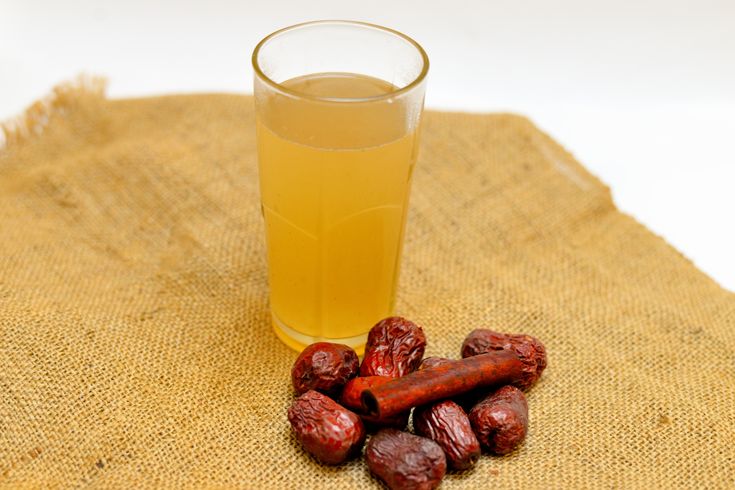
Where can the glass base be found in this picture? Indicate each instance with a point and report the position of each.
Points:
(299, 341)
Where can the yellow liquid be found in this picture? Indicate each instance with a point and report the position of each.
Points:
(335, 179)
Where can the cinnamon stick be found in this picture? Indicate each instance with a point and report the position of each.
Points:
(447, 380)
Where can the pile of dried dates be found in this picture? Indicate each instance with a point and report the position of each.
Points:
(458, 406)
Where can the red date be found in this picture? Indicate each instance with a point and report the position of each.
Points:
(405, 461)
(500, 420)
(327, 430)
(529, 349)
(447, 424)
(324, 367)
(394, 348)
(430, 362)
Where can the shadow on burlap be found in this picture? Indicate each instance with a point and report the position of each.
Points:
(135, 348)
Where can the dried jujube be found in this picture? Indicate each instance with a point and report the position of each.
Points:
(429, 362)
(325, 429)
(324, 367)
(394, 380)
(500, 420)
(405, 461)
(394, 348)
(530, 349)
(447, 424)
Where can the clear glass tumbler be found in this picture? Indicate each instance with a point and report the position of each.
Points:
(338, 108)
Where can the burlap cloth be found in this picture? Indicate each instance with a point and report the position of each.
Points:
(135, 345)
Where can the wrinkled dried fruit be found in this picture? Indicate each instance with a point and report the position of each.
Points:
(447, 424)
(324, 367)
(500, 420)
(373, 424)
(405, 461)
(351, 399)
(530, 349)
(434, 361)
(394, 348)
(327, 430)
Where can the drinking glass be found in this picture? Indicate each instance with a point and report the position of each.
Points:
(338, 107)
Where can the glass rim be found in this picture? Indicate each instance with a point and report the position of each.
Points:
(301, 95)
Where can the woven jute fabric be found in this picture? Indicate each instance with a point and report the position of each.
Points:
(135, 344)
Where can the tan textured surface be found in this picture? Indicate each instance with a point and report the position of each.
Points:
(135, 349)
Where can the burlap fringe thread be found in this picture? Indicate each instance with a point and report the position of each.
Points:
(62, 97)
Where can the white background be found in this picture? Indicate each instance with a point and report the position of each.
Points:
(642, 92)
